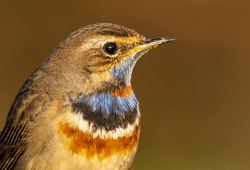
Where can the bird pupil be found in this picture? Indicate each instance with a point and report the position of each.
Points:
(110, 48)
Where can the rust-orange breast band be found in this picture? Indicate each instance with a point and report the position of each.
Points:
(84, 144)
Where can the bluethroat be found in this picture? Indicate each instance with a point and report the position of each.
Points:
(78, 109)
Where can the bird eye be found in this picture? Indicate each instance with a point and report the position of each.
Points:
(110, 48)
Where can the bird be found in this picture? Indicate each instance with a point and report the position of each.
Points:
(78, 109)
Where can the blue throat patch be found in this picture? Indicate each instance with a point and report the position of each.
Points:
(109, 104)
(107, 111)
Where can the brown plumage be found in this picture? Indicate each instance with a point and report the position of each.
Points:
(78, 70)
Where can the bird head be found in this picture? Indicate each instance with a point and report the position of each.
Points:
(98, 57)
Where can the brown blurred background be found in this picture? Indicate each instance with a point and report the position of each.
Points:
(194, 93)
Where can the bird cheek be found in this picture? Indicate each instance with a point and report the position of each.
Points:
(98, 78)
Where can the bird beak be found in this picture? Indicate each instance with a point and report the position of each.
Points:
(159, 40)
(150, 43)
(154, 42)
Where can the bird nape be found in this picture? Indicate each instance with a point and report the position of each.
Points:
(78, 109)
